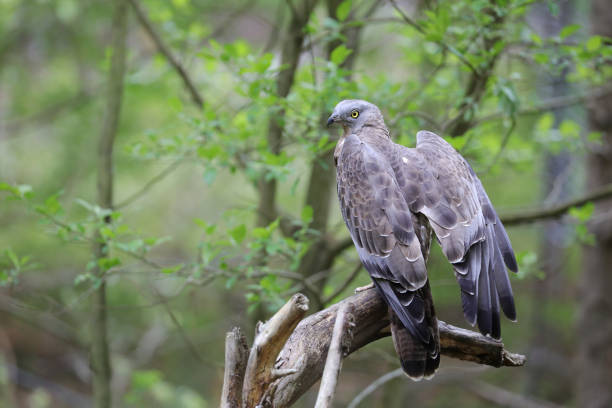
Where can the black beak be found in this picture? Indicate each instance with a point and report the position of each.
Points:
(331, 120)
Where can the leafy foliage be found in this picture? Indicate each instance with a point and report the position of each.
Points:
(190, 228)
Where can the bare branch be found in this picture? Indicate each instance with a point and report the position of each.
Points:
(375, 385)
(149, 184)
(345, 285)
(305, 348)
(164, 302)
(165, 50)
(527, 216)
(503, 144)
(236, 355)
(48, 114)
(505, 398)
(269, 340)
(338, 348)
(553, 104)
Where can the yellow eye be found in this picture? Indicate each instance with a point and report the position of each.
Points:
(354, 114)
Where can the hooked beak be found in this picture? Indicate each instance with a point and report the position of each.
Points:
(331, 120)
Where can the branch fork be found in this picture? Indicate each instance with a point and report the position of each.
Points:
(290, 352)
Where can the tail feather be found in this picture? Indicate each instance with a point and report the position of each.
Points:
(418, 359)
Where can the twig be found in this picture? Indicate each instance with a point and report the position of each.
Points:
(345, 285)
(503, 144)
(340, 246)
(269, 340)
(552, 104)
(341, 339)
(444, 45)
(443, 376)
(164, 302)
(149, 184)
(556, 211)
(163, 48)
(504, 398)
(236, 355)
(375, 385)
(47, 114)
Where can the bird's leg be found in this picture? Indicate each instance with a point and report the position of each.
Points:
(362, 288)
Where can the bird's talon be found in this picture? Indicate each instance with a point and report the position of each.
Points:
(362, 288)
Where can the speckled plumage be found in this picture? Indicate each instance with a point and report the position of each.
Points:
(392, 198)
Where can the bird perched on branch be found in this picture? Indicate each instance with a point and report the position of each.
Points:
(392, 198)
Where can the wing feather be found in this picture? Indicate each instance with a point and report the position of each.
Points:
(380, 223)
(441, 185)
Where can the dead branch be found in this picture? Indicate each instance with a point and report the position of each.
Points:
(338, 348)
(272, 381)
(236, 355)
(269, 340)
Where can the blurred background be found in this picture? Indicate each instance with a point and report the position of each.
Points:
(165, 175)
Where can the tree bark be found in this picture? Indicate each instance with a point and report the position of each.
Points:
(277, 380)
(594, 380)
(322, 172)
(236, 355)
(290, 57)
(100, 360)
(544, 379)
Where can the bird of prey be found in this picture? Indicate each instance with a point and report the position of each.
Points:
(392, 198)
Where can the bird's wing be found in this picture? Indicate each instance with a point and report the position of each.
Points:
(381, 226)
(437, 182)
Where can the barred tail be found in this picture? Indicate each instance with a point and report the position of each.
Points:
(418, 359)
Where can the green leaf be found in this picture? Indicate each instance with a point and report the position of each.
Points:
(569, 30)
(593, 43)
(569, 129)
(339, 54)
(172, 269)
(145, 379)
(107, 263)
(208, 228)
(269, 284)
(13, 257)
(231, 282)
(210, 174)
(541, 58)
(307, 214)
(545, 123)
(583, 213)
(260, 233)
(537, 40)
(343, 10)
(238, 233)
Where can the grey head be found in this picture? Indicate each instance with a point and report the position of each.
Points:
(353, 114)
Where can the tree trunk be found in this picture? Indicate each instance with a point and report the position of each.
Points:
(100, 360)
(323, 173)
(594, 379)
(544, 378)
(290, 57)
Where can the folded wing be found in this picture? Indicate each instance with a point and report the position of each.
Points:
(382, 228)
(437, 182)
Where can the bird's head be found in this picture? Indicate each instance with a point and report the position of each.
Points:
(353, 114)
